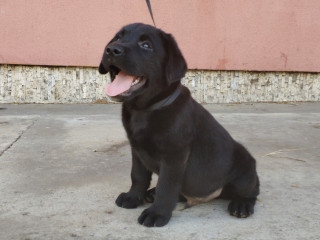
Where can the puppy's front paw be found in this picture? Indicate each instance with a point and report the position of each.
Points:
(127, 200)
(241, 207)
(152, 218)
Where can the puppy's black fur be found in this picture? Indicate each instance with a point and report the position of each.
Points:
(191, 152)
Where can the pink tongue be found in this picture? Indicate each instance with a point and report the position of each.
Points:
(120, 84)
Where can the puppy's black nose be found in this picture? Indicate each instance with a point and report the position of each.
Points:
(115, 50)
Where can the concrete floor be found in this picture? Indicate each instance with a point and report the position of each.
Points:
(62, 167)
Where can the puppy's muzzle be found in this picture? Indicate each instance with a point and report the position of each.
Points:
(114, 51)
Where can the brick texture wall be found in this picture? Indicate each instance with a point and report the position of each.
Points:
(39, 84)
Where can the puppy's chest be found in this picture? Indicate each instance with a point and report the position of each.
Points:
(152, 133)
(144, 133)
(138, 125)
(143, 128)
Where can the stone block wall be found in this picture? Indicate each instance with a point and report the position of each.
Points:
(46, 84)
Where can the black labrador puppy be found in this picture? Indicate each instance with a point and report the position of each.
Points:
(170, 133)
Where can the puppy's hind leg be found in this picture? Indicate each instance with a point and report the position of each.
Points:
(243, 201)
(244, 188)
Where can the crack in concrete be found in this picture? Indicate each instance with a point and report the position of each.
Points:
(17, 138)
(113, 148)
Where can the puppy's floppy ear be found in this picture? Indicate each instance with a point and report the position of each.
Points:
(102, 70)
(175, 65)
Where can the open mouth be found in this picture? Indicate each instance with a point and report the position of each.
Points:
(123, 84)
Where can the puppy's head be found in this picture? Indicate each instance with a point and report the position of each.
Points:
(141, 60)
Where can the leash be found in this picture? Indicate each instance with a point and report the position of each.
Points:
(150, 11)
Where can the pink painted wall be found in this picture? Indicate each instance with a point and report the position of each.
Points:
(266, 35)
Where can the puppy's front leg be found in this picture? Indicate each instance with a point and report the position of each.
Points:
(167, 193)
(140, 178)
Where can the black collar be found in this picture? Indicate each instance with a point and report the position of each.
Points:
(167, 101)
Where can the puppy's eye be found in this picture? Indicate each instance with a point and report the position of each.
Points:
(145, 45)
